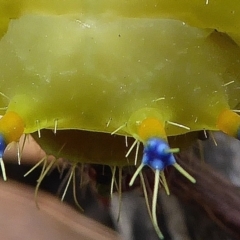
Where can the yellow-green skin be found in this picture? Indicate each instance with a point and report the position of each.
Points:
(93, 73)
(99, 62)
(215, 14)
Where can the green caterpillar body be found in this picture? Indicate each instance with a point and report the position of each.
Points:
(87, 69)
(93, 74)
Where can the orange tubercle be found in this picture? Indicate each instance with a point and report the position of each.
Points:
(229, 122)
(151, 127)
(11, 126)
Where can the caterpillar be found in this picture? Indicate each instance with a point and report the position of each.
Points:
(102, 67)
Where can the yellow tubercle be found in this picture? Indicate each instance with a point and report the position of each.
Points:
(146, 123)
(151, 127)
(11, 126)
(228, 122)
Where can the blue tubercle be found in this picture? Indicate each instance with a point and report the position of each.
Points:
(157, 154)
(2, 145)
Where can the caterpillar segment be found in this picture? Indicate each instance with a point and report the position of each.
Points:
(156, 81)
